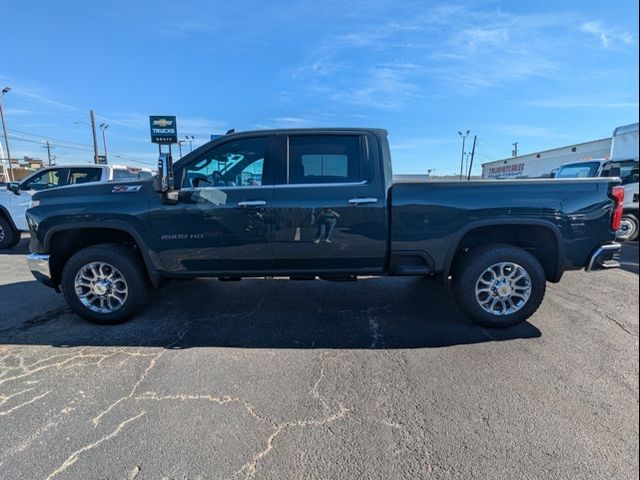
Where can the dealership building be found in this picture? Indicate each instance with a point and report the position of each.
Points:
(540, 164)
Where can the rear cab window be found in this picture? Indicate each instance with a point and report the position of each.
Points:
(84, 175)
(129, 174)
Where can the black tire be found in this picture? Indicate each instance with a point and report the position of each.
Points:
(628, 232)
(9, 237)
(475, 263)
(129, 264)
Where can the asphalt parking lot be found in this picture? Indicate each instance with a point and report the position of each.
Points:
(383, 378)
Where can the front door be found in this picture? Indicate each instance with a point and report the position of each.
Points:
(330, 213)
(50, 178)
(221, 223)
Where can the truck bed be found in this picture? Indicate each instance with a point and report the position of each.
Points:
(431, 218)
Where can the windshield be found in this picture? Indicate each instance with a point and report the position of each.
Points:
(579, 170)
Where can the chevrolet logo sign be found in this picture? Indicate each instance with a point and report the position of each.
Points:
(162, 122)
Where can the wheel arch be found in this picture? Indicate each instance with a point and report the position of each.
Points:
(68, 239)
(4, 213)
(505, 231)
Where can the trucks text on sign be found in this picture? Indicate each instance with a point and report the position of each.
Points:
(164, 129)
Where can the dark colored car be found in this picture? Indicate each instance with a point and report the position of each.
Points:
(318, 203)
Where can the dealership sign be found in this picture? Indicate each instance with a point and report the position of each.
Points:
(164, 129)
(506, 171)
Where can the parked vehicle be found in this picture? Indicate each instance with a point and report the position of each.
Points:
(15, 198)
(627, 170)
(318, 203)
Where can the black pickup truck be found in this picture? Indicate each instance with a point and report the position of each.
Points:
(318, 203)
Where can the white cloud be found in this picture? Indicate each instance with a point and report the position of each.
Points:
(607, 35)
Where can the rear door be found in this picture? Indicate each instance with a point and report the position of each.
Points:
(329, 204)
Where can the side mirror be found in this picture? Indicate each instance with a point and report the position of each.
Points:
(14, 187)
(164, 180)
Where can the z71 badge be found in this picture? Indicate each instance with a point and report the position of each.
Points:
(126, 188)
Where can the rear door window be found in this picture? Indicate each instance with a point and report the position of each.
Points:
(317, 159)
(84, 175)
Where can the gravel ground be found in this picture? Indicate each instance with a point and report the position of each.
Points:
(383, 378)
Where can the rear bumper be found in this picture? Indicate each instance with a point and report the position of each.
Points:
(39, 266)
(604, 257)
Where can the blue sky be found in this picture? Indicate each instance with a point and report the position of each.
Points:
(543, 73)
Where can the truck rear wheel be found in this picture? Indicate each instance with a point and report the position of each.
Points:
(499, 285)
(105, 284)
(628, 230)
(8, 236)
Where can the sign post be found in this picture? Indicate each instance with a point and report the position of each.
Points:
(164, 131)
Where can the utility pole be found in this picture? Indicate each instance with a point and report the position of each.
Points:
(49, 147)
(180, 143)
(515, 149)
(473, 153)
(464, 138)
(6, 90)
(95, 137)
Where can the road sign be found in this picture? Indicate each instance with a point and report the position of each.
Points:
(164, 129)
(102, 160)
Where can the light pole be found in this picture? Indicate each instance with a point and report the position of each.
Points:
(180, 143)
(6, 90)
(103, 127)
(464, 138)
(190, 139)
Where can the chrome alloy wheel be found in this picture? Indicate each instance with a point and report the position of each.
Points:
(101, 287)
(503, 288)
(626, 231)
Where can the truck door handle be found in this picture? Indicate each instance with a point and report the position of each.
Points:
(252, 203)
(362, 200)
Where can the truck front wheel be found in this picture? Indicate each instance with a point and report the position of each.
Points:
(8, 236)
(105, 284)
(498, 285)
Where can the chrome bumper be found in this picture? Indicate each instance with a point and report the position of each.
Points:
(604, 257)
(39, 266)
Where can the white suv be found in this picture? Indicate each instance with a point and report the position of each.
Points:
(15, 197)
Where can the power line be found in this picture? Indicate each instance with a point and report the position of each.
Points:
(70, 145)
(495, 146)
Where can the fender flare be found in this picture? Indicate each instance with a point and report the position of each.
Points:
(514, 222)
(154, 276)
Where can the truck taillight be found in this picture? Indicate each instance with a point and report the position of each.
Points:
(618, 198)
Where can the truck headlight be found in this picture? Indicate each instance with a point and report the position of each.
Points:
(34, 203)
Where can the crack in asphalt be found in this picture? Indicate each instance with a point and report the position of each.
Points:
(602, 312)
(37, 320)
(250, 468)
(73, 458)
(16, 407)
(72, 358)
